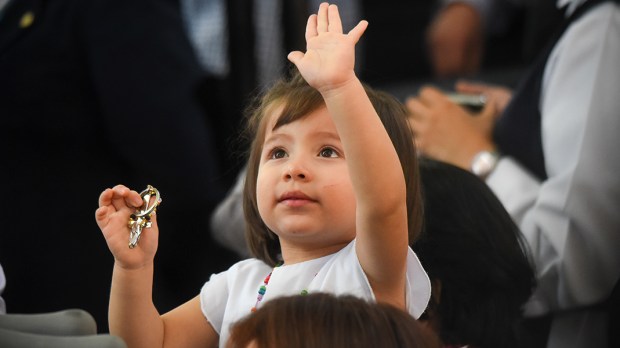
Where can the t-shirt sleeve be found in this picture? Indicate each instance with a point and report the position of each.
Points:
(418, 290)
(213, 299)
(344, 275)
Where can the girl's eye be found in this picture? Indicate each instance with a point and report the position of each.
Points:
(328, 152)
(277, 154)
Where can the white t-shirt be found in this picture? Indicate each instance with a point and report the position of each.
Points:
(230, 295)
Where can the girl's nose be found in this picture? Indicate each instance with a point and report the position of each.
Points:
(296, 172)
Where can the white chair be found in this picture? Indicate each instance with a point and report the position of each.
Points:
(69, 328)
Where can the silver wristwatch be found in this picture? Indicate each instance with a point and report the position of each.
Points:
(484, 162)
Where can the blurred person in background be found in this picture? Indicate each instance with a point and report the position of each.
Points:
(71, 72)
(548, 151)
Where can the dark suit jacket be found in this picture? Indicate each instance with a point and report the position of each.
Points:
(92, 94)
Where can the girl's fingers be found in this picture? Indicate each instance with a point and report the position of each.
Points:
(134, 199)
(295, 56)
(118, 198)
(122, 197)
(311, 27)
(101, 215)
(357, 32)
(322, 21)
(333, 19)
(105, 198)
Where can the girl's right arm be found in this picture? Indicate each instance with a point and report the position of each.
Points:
(132, 314)
(375, 170)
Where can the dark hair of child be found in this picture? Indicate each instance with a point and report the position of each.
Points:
(298, 100)
(475, 257)
(322, 320)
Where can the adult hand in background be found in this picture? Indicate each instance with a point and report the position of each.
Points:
(497, 94)
(445, 131)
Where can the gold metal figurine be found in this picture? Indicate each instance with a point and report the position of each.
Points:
(142, 217)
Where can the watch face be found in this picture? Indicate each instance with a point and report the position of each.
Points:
(483, 163)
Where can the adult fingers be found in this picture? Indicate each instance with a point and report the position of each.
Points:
(490, 111)
(414, 124)
(416, 108)
(431, 96)
(417, 128)
(470, 87)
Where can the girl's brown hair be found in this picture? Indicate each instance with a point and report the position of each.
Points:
(298, 99)
(324, 320)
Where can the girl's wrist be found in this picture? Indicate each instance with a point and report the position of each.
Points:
(334, 90)
(127, 268)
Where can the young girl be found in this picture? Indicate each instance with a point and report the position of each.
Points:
(328, 205)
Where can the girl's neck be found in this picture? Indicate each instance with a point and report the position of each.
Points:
(292, 253)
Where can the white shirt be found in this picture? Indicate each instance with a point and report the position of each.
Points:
(572, 219)
(230, 295)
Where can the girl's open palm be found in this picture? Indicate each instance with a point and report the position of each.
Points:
(330, 55)
(115, 207)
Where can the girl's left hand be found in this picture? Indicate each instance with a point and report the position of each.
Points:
(330, 55)
(112, 216)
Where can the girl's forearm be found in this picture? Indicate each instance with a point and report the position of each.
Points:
(132, 314)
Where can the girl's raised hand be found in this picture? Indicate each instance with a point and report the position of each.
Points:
(330, 55)
(115, 207)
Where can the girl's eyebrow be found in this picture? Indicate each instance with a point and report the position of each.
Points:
(327, 135)
(277, 137)
(284, 137)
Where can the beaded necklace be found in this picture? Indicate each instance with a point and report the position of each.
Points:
(263, 289)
